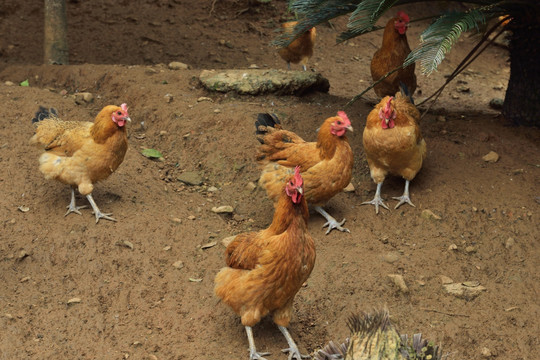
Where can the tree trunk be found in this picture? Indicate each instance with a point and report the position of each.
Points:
(56, 46)
(522, 102)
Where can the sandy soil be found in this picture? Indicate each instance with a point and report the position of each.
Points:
(135, 304)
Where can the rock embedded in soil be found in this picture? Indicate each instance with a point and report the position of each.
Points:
(428, 214)
(491, 157)
(190, 178)
(467, 290)
(257, 82)
(177, 65)
(399, 282)
(225, 209)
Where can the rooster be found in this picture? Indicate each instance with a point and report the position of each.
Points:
(326, 164)
(301, 49)
(266, 269)
(80, 154)
(373, 336)
(391, 55)
(393, 144)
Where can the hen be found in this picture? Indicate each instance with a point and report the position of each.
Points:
(393, 144)
(80, 154)
(373, 336)
(391, 55)
(301, 49)
(266, 269)
(326, 165)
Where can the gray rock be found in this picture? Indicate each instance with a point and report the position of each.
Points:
(496, 103)
(190, 178)
(255, 81)
(177, 65)
(467, 291)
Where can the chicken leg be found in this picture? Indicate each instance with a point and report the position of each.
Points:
(72, 207)
(377, 200)
(253, 354)
(330, 221)
(97, 212)
(405, 197)
(293, 351)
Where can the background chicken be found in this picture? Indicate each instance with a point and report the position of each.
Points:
(391, 55)
(266, 269)
(393, 144)
(326, 165)
(301, 49)
(82, 153)
(373, 336)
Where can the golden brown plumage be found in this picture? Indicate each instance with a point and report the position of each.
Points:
(266, 269)
(392, 54)
(326, 165)
(393, 144)
(82, 153)
(301, 49)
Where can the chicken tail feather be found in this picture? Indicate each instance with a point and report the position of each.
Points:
(44, 113)
(264, 124)
(405, 91)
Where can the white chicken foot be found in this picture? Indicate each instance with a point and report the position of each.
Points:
(97, 212)
(330, 221)
(405, 197)
(293, 351)
(253, 354)
(72, 207)
(377, 200)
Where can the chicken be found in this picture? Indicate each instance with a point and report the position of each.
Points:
(301, 49)
(373, 336)
(326, 165)
(266, 269)
(393, 144)
(391, 55)
(80, 154)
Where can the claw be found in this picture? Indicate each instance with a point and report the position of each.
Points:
(294, 353)
(377, 200)
(335, 225)
(402, 200)
(97, 212)
(72, 207)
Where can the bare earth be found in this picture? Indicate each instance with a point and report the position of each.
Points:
(135, 304)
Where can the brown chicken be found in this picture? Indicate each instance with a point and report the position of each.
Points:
(392, 54)
(80, 154)
(326, 165)
(301, 49)
(266, 269)
(373, 336)
(393, 144)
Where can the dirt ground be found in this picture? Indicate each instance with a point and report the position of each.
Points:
(135, 304)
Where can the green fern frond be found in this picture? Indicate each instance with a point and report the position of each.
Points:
(363, 19)
(312, 13)
(439, 37)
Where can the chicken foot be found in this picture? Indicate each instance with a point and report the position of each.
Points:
(72, 207)
(293, 351)
(97, 212)
(253, 354)
(330, 221)
(377, 200)
(405, 197)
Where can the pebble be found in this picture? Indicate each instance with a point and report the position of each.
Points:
(491, 157)
(349, 188)
(190, 178)
(250, 186)
(178, 264)
(8, 316)
(452, 247)
(177, 65)
(428, 214)
(399, 282)
(226, 241)
(391, 257)
(209, 245)
(191, 217)
(83, 97)
(463, 88)
(204, 98)
(496, 103)
(212, 189)
(167, 248)
(462, 291)
(441, 118)
(445, 280)
(470, 249)
(486, 352)
(509, 242)
(224, 209)
(176, 220)
(168, 98)
(254, 66)
(25, 279)
(9, 83)
(74, 300)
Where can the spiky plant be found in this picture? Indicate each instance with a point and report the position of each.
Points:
(522, 101)
(374, 337)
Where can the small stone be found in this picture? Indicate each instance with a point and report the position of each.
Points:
(452, 247)
(191, 217)
(167, 248)
(209, 245)
(509, 242)
(470, 249)
(168, 98)
(136, 343)
(491, 157)
(74, 300)
(445, 279)
(9, 83)
(217, 111)
(428, 214)
(63, 92)
(195, 279)
(83, 97)
(254, 66)
(176, 220)
(391, 257)
(455, 96)
(463, 88)
(190, 178)
(464, 292)
(250, 186)
(22, 254)
(177, 65)
(25, 279)
(23, 208)
(225, 209)
(349, 188)
(212, 189)
(8, 316)
(496, 103)
(399, 282)
(486, 352)
(204, 98)
(178, 264)
(475, 209)
(226, 241)
(441, 118)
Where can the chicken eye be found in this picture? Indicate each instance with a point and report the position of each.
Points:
(118, 113)
(339, 122)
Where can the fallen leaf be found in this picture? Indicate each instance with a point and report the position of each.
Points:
(25, 83)
(152, 153)
(209, 245)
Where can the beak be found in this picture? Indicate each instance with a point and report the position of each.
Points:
(349, 128)
(386, 120)
(300, 190)
(127, 118)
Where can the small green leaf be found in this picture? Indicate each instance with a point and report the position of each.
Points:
(25, 83)
(152, 153)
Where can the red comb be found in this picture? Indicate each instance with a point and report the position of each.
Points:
(342, 115)
(403, 16)
(388, 108)
(297, 177)
(124, 107)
